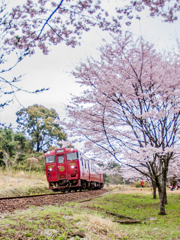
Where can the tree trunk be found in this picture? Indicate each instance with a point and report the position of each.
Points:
(6, 161)
(163, 195)
(158, 185)
(165, 199)
(162, 206)
(30, 167)
(160, 192)
(7, 176)
(38, 147)
(154, 190)
(164, 186)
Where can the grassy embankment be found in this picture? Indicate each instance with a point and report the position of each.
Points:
(22, 183)
(90, 218)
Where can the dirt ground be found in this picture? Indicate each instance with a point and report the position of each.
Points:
(9, 205)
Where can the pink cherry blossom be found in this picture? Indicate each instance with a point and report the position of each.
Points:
(129, 108)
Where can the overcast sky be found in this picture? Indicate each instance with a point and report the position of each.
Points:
(54, 69)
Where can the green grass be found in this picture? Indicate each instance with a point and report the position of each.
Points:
(142, 207)
(59, 222)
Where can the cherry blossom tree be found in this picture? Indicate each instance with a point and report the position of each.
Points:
(44, 22)
(40, 24)
(174, 170)
(129, 108)
(166, 9)
(64, 144)
(143, 172)
(9, 87)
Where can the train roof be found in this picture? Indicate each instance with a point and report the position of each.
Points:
(60, 150)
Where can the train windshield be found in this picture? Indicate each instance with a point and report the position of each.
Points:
(50, 159)
(60, 159)
(72, 156)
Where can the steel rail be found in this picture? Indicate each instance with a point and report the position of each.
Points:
(28, 196)
(38, 195)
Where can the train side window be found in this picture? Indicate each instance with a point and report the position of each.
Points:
(60, 159)
(82, 161)
(72, 156)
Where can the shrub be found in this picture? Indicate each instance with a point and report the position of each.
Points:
(138, 184)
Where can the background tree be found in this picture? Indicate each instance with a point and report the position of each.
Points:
(130, 106)
(10, 149)
(39, 123)
(32, 161)
(12, 143)
(112, 172)
(24, 144)
(133, 175)
(7, 141)
(174, 171)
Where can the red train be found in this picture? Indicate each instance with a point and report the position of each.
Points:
(67, 169)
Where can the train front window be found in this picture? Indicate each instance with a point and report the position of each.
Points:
(72, 156)
(50, 159)
(60, 159)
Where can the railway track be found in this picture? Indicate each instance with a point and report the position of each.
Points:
(10, 204)
(36, 195)
(28, 196)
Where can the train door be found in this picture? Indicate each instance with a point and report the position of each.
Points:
(61, 165)
(72, 159)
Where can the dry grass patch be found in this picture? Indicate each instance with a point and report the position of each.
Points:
(98, 227)
(127, 189)
(22, 183)
(101, 225)
(21, 178)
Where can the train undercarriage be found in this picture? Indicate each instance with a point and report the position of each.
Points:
(77, 184)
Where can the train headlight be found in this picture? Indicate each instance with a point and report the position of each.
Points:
(49, 169)
(72, 166)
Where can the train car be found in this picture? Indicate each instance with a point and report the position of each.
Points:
(67, 169)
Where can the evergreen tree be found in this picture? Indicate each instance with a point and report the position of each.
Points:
(39, 123)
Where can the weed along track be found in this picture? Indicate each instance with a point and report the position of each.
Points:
(14, 203)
